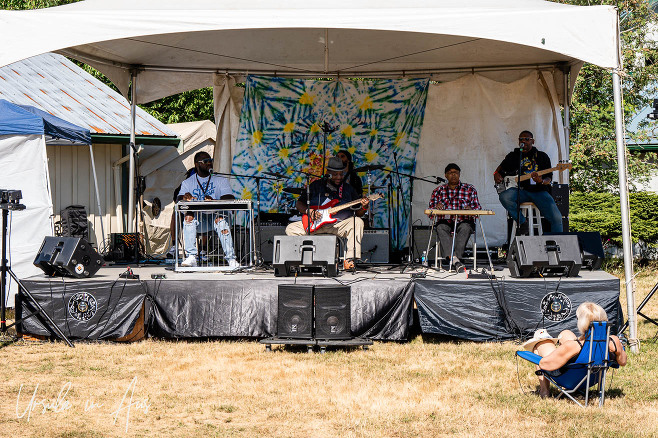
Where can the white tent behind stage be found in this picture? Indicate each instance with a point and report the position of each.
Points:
(164, 171)
(167, 46)
(24, 132)
(454, 131)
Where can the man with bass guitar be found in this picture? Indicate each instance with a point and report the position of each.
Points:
(329, 213)
(534, 182)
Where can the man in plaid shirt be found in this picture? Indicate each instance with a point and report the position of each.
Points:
(455, 195)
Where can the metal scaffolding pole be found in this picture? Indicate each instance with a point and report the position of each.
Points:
(131, 167)
(625, 211)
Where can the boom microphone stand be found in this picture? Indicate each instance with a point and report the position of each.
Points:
(9, 201)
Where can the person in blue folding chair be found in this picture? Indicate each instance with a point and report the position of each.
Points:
(575, 363)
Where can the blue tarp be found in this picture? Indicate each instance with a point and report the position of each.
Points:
(28, 120)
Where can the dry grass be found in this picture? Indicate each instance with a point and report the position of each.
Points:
(225, 388)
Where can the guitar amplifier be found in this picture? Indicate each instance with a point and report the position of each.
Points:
(268, 231)
(375, 246)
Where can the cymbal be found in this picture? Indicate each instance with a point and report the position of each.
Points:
(370, 168)
(276, 175)
(294, 190)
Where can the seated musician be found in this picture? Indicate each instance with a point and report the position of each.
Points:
(535, 190)
(203, 186)
(328, 189)
(454, 195)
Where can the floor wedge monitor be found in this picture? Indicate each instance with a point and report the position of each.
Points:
(68, 256)
(544, 255)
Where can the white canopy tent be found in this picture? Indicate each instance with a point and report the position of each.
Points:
(173, 46)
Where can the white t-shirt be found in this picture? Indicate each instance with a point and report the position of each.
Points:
(213, 185)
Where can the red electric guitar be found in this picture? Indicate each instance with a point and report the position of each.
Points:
(328, 210)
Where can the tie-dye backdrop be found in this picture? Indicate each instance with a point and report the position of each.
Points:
(377, 121)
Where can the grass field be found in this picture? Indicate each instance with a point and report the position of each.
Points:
(425, 387)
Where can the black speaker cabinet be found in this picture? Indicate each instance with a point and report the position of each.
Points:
(591, 247)
(560, 193)
(73, 220)
(295, 316)
(421, 233)
(310, 255)
(72, 256)
(375, 246)
(332, 312)
(545, 255)
(267, 234)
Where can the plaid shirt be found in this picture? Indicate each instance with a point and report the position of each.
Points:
(462, 197)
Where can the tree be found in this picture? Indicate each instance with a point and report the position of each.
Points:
(593, 147)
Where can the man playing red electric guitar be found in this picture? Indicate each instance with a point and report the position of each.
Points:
(324, 191)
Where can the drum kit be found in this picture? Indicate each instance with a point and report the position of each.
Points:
(286, 204)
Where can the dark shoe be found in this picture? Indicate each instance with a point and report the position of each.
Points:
(524, 229)
(459, 267)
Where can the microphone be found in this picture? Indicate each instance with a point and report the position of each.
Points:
(326, 176)
(439, 179)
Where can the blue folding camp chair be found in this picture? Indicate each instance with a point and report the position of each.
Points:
(587, 370)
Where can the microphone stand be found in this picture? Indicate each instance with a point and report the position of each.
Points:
(518, 193)
(412, 178)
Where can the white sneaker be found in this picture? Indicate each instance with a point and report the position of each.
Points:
(189, 262)
(233, 264)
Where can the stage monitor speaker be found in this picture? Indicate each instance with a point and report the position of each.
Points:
(545, 255)
(305, 255)
(267, 234)
(332, 312)
(375, 246)
(591, 247)
(295, 311)
(72, 256)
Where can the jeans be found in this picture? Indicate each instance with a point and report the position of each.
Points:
(219, 223)
(543, 200)
(464, 231)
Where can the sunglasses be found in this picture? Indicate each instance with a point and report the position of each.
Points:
(206, 161)
(525, 138)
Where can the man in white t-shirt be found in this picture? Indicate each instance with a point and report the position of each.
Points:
(203, 186)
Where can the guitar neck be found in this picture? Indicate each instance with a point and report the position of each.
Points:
(343, 206)
(539, 172)
(351, 203)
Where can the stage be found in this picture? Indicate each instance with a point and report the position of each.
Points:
(175, 305)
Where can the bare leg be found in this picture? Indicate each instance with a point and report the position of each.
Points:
(544, 349)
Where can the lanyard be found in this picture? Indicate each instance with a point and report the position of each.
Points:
(201, 185)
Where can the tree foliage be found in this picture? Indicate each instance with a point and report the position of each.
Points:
(33, 4)
(593, 147)
(601, 212)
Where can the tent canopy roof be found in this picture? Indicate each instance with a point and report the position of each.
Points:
(28, 120)
(294, 37)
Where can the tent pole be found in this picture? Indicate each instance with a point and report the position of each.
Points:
(567, 117)
(625, 213)
(131, 167)
(98, 196)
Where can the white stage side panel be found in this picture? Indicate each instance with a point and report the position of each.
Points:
(72, 183)
(24, 167)
(474, 122)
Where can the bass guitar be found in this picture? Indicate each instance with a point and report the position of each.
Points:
(512, 181)
(328, 210)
